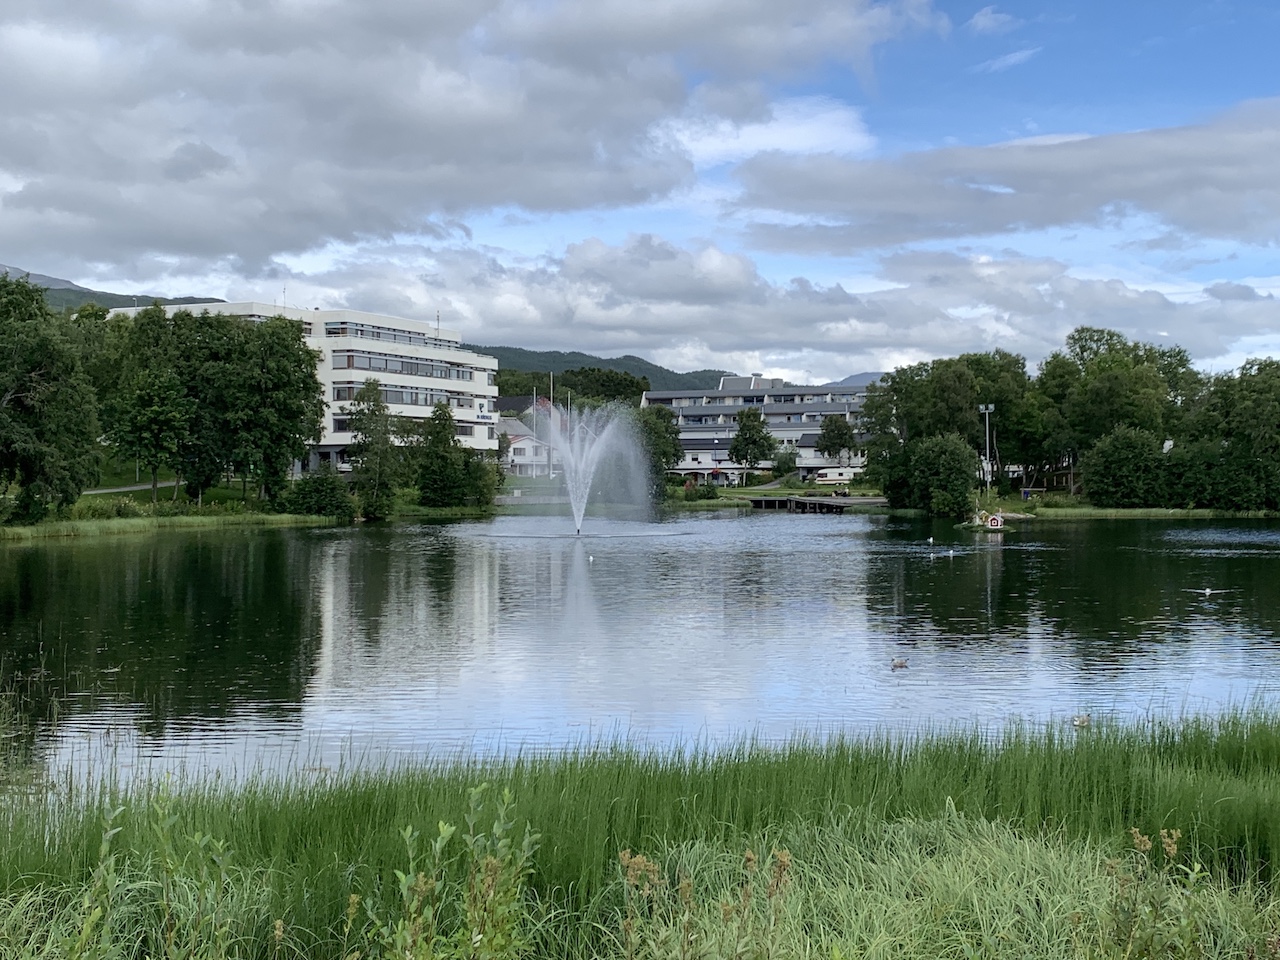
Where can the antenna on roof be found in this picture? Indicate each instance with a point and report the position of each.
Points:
(437, 324)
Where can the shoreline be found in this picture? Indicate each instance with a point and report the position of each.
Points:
(68, 529)
(910, 847)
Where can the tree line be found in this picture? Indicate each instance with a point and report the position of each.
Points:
(1127, 423)
(203, 396)
(587, 383)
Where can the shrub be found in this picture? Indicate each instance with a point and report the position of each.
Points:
(1126, 468)
(104, 508)
(943, 476)
(321, 493)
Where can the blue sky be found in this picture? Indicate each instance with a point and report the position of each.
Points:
(808, 190)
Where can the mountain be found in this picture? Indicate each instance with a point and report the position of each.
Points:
(856, 380)
(557, 361)
(64, 295)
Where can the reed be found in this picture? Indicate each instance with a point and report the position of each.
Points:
(963, 808)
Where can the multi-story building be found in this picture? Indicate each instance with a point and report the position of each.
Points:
(417, 363)
(708, 421)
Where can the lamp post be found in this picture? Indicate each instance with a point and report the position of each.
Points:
(987, 409)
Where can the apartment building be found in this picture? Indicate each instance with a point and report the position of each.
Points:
(708, 421)
(417, 363)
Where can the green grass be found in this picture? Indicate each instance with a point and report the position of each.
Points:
(901, 847)
(123, 525)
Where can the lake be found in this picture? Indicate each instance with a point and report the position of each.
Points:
(234, 651)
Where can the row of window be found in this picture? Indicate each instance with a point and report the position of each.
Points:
(755, 400)
(343, 425)
(349, 360)
(409, 396)
(775, 418)
(340, 328)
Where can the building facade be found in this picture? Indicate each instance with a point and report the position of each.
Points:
(417, 363)
(708, 421)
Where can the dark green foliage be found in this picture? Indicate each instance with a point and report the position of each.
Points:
(753, 442)
(152, 420)
(784, 462)
(48, 413)
(661, 439)
(836, 440)
(208, 394)
(591, 383)
(449, 474)
(321, 493)
(700, 491)
(378, 460)
(943, 472)
(1126, 468)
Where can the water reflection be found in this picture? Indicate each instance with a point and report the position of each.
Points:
(313, 648)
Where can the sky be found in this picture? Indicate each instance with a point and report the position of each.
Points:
(805, 189)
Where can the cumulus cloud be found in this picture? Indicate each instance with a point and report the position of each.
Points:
(1214, 179)
(234, 132)
(703, 306)
(1226, 290)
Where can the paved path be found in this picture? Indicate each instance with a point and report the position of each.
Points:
(131, 488)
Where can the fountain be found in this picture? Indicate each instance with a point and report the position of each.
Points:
(596, 443)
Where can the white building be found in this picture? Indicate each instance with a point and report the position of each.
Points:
(708, 421)
(528, 456)
(418, 365)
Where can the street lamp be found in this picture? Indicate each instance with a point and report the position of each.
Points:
(987, 409)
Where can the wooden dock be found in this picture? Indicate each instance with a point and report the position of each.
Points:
(814, 504)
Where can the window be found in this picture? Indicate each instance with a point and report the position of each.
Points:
(341, 425)
(464, 430)
(518, 451)
(493, 433)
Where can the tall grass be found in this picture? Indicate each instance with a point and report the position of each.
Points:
(312, 844)
(119, 525)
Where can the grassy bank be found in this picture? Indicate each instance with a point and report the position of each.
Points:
(122, 525)
(949, 846)
(1145, 513)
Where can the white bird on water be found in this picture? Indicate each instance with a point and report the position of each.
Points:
(1205, 591)
(590, 558)
(1081, 720)
(931, 541)
(897, 663)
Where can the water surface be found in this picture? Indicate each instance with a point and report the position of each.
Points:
(230, 651)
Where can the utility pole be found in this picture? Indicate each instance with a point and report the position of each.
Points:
(987, 409)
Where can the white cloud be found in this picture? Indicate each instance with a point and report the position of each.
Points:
(989, 21)
(1009, 60)
(140, 133)
(706, 307)
(800, 125)
(1214, 179)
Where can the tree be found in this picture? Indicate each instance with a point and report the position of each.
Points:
(784, 462)
(151, 421)
(281, 402)
(1126, 468)
(943, 475)
(442, 468)
(378, 460)
(837, 439)
(48, 413)
(661, 439)
(753, 442)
